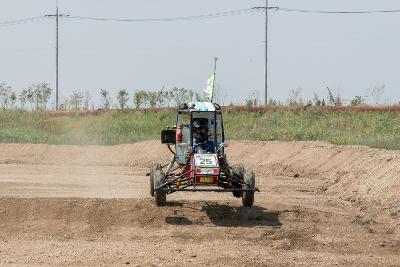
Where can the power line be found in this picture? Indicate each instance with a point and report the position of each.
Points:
(21, 21)
(197, 17)
(331, 11)
(203, 16)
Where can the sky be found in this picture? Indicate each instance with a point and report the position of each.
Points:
(347, 53)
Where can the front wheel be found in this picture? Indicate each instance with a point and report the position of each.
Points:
(154, 167)
(250, 184)
(160, 195)
(237, 171)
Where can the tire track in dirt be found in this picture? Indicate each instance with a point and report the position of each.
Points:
(89, 205)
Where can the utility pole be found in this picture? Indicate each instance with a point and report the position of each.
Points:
(266, 52)
(57, 16)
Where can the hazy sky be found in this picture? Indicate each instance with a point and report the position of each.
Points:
(349, 53)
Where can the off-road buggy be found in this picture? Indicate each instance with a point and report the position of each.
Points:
(198, 162)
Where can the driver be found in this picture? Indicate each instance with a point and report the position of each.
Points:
(200, 136)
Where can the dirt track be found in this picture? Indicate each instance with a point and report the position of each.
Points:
(87, 205)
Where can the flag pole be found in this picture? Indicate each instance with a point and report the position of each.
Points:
(213, 84)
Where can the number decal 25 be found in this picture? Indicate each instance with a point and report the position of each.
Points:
(204, 161)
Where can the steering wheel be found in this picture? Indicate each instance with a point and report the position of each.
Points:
(199, 144)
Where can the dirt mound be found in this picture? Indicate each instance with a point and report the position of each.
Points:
(66, 218)
(109, 231)
(319, 204)
(357, 174)
(364, 176)
(138, 154)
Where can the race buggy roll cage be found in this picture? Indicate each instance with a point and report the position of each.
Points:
(196, 167)
(227, 180)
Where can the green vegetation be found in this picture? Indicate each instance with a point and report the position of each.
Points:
(379, 129)
(108, 128)
(372, 128)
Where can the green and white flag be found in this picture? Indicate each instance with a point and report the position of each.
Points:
(208, 91)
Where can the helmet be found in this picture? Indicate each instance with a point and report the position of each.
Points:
(200, 129)
(200, 123)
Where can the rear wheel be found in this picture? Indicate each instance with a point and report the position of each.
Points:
(248, 196)
(153, 168)
(237, 172)
(160, 195)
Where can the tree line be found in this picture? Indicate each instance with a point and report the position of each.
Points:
(37, 97)
(149, 99)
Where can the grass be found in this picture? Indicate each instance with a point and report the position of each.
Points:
(380, 129)
(106, 129)
(371, 128)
